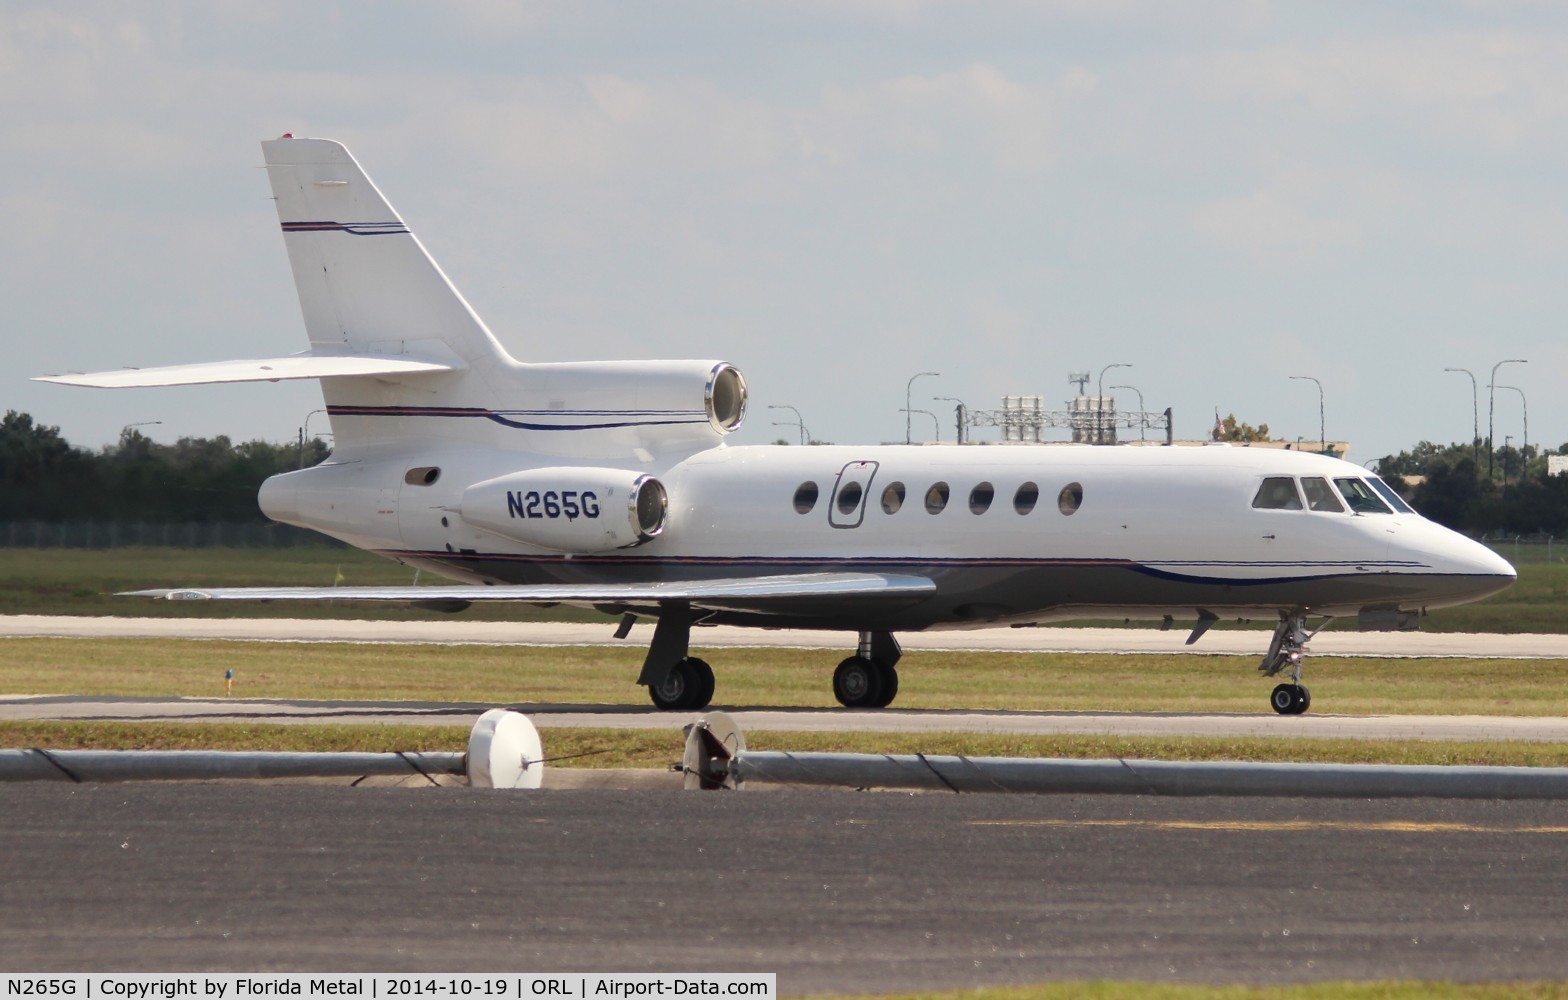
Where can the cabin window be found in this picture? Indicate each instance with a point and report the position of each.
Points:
(980, 498)
(936, 498)
(1277, 493)
(805, 498)
(1070, 499)
(1320, 495)
(1388, 493)
(849, 496)
(892, 498)
(422, 476)
(1027, 496)
(1360, 497)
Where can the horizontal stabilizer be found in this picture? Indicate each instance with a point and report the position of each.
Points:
(738, 592)
(294, 366)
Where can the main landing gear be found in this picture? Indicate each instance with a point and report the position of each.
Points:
(687, 687)
(868, 679)
(678, 681)
(1285, 652)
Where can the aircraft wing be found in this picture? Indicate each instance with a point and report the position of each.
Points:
(745, 593)
(293, 366)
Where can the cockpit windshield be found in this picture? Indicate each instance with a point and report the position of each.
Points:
(1277, 493)
(1320, 495)
(1388, 493)
(1361, 497)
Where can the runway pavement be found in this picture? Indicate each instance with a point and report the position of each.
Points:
(1250, 642)
(835, 891)
(547, 716)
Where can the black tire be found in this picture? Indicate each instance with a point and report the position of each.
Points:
(687, 687)
(702, 694)
(1290, 699)
(857, 683)
(887, 676)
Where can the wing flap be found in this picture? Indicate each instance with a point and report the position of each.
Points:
(740, 593)
(294, 366)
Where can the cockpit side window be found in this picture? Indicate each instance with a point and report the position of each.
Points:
(1388, 493)
(1277, 493)
(1360, 497)
(1320, 495)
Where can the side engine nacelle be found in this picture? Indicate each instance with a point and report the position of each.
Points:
(569, 509)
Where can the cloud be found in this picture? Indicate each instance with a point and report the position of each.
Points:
(1499, 88)
(1273, 221)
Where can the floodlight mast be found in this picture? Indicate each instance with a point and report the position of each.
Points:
(908, 437)
(1322, 434)
(1475, 414)
(1491, 412)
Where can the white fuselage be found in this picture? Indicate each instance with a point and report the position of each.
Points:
(1104, 531)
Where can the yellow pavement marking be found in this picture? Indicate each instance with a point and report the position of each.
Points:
(1275, 826)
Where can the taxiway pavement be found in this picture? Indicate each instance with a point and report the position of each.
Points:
(1250, 642)
(868, 892)
(750, 718)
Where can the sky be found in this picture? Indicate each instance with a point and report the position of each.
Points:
(833, 195)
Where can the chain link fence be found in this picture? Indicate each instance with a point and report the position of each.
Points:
(162, 534)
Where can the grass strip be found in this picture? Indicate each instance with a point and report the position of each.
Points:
(604, 675)
(652, 748)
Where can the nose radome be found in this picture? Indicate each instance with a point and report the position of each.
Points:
(1471, 570)
(1481, 560)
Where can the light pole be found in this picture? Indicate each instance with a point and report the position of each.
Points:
(798, 421)
(907, 404)
(305, 429)
(1322, 435)
(1524, 444)
(960, 415)
(1491, 410)
(1099, 401)
(1140, 406)
(936, 427)
(1475, 414)
(1507, 443)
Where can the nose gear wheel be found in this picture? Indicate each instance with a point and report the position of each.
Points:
(1285, 654)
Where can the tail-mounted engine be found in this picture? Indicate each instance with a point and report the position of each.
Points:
(629, 404)
(569, 509)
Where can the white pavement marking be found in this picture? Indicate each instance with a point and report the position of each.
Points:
(1543, 729)
(1250, 642)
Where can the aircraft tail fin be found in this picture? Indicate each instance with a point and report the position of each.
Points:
(366, 285)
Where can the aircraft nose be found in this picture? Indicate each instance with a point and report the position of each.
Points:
(1472, 570)
(1472, 558)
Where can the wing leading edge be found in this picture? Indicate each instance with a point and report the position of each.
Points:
(746, 593)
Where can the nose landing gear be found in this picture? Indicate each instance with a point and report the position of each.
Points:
(1285, 653)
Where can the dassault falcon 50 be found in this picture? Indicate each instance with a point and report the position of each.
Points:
(608, 484)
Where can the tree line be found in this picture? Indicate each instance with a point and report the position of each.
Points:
(1463, 486)
(43, 477)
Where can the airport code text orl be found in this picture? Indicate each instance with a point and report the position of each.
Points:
(508, 986)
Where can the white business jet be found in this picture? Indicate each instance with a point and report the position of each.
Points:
(608, 485)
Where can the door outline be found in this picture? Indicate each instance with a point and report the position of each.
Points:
(842, 519)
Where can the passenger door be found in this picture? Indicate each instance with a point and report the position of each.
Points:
(847, 506)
